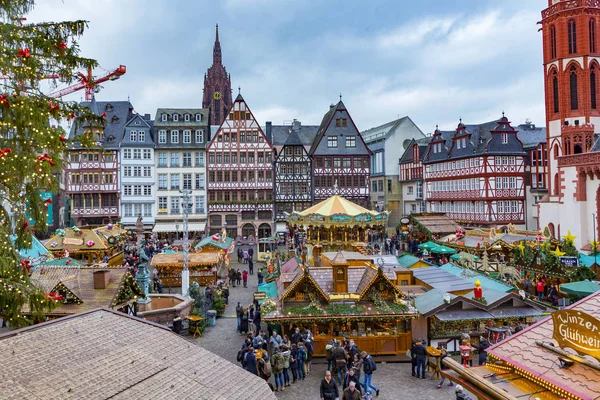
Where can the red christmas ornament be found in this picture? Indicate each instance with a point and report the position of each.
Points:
(54, 107)
(5, 151)
(103, 115)
(47, 158)
(20, 20)
(4, 100)
(61, 46)
(71, 116)
(62, 138)
(26, 225)
(23, 53)
(47, 202)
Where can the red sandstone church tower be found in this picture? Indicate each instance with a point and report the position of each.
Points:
(571, 48)
(217, 87)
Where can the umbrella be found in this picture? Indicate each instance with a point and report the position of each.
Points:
(443, 250)
(459, 256)
(428, 246)
(581, 289)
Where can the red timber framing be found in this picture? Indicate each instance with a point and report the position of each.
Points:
(240, 175)
(92, 183)
(293, 182)
(350, 173)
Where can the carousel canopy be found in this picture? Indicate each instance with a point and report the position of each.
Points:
(338, 210)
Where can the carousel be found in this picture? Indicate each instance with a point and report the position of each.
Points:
(337, 224)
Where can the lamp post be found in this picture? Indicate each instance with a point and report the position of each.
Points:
(185, 272)
(595, 247)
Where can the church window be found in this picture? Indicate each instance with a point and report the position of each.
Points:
(593, 87)
(350, 141)
(552, 41)
(573, 88)
(332, 141)
(572, 35)
(175, 117)
(592, 32)
(555, 91)
(556, 151)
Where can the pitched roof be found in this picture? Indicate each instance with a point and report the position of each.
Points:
(80, 281)
(521, 350)
(281, 133)
(337, 205)
(407, 156)
(438, 223)
(114, 355)
(208, 241)
(472, 276)
(74, 241)
(441, 280)
(113, 131)
(36, 253)
(430, 301)
(194, 259)
(382, 131)
(408, 260)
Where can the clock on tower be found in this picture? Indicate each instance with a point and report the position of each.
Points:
(217, 95)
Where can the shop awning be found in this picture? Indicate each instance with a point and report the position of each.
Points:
(280, 227)
(172, 227)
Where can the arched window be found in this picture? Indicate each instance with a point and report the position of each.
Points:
(572, 35)
(556, 187)
(555, 91)
(577, 149)
(573, 87)
(593, 86)
(592, 32)
(416, 153)
(556, 151)
(552, 41)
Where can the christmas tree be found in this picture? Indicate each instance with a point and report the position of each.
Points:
(32, 143)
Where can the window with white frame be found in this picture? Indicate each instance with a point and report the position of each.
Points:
(148, 172)
(515, 206)
(147, 190)
(199, 181)
(513, 182)
(133, 136)
(410, 189)
(199, 205)
(162, 159)
(419, 190)
(126, 171)
(187, 158)
(504, 138)
(174, 136)
(137, 190)
(187, 136)
(186, 117)
(199, 159)
(175, 205)
(141, 136)
(332, 141)
(137, 154)
(175, 117)
(162, 182)
(174, 159)
(137, 171)
(127, 154)
(127, 190)
(187, 181)
(464, 142)
(350, 141)
(162, 204)
(174, 181)
(147, 154)
(162, 137)
(147, 210)
(128, 210)
(199, 136)
(198, 117)
(163, 118)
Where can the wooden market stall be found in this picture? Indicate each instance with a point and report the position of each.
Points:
(337, 224)
(343, 300)
(202, 266)
(557, 358)
(89, 245)
(266, 247)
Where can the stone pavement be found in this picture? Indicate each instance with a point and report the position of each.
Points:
(393, 380)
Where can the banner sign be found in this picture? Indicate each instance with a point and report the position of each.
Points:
(578, 331)
(260, 296)
(569, 261)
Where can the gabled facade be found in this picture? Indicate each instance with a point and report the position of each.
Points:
(136, 159)
(293, 188)
(387, 143)
(411, 176)
(476, 174)
(571, 80)
(180, 136)
(340, 158)
(92, 175)
(240, 176)
(217, 86)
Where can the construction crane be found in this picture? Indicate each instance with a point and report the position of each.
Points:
(89, 83)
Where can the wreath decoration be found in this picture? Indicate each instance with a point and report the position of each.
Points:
(112, 240)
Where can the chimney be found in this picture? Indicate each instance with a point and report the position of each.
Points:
(268, 131)
(296, 125)
(101, 279)
(331, 106)
(147, 117)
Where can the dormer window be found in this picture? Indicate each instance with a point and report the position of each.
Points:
(415, 153)
(504, 138)
(198, 117)
(464, 143)
(137, 122)
(458, 144)
(115, 119)
(175, 117)
(133, 136)
(186, 117)
(109, 107)
(163, 118)
(110, 139)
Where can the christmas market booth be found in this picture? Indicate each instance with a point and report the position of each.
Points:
(76, 289)
(445, 319)
(430, 226)
(86, 244)
(344, 300)
(202, 267)
(336, 224)
(556, 358)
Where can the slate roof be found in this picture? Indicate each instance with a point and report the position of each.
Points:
(158, 122)
(281, 133)
(407, 156)
(113, 131)
(472, 276)
(146, 125)
(531, 135)
(441, 280)
(105, 354)
(521, 350)
(382, 131)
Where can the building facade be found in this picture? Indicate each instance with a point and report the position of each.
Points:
(536, 162)
(217, 86)
(476, 175)
(571, 51)
(293, 188)
(340, 158)
(180, 137)
(411, 176)
(240, 176)
(92, 175)
(384, 142)
(136, 160)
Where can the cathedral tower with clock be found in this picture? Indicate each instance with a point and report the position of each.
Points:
(217, 87)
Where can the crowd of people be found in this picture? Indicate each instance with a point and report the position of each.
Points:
(543, 287)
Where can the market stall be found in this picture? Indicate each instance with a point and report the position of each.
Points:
(202, 267)
(87, 244)
(342, 300)
(266, 247)
(337, 224)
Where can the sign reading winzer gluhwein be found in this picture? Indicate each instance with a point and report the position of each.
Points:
(578, 331)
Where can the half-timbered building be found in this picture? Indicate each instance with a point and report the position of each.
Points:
(411, 176)
(340, 158)
(293, 189)
(240, 176)
(476, 174)
(92, 175)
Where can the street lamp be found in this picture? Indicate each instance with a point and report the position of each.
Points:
(186, 196)
(595, 247)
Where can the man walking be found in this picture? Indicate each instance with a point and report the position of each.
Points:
(245, 278)
(369, 367)
(351, 393)
(329, 389)
(239, 312)
(251, 265)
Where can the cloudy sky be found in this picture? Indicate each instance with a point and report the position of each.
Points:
(435, 61)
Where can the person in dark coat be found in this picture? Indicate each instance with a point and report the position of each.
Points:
(482, 348)
(329, 389)
(244, 325)
(250, 253)
(240, 254)
(421, 354)
(250, 361)
(350, 377)
(413, 357)
(251, 265)
(294, 362)
(257, 318)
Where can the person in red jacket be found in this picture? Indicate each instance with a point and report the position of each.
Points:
(245, 277)
(540, 289)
